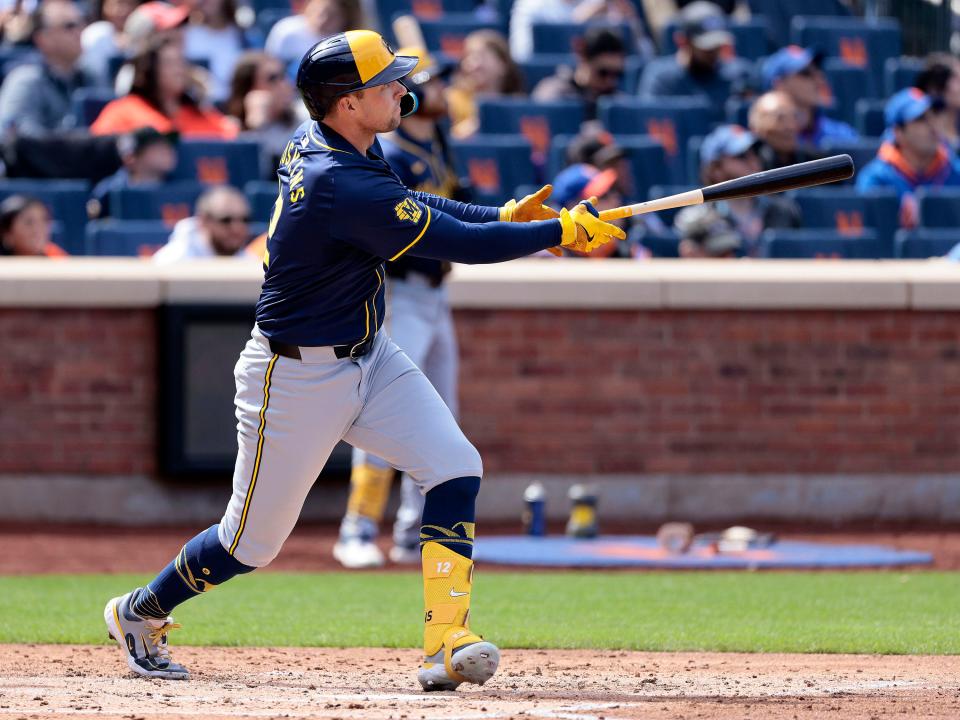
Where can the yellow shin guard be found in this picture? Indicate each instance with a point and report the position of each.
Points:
(369, 490)
(447, 579)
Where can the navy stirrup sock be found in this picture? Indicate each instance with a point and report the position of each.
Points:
(202, 564)
(449, 515)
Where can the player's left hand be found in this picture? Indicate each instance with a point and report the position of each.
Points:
(530, 208)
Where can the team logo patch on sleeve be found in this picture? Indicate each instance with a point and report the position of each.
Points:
(407, 209)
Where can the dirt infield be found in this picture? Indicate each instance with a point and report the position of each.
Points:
(43, 681)
(40, 549)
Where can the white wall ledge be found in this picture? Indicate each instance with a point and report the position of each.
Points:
(522, 284)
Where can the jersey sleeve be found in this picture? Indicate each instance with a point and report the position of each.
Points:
(461, 211)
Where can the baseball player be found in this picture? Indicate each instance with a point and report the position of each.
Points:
(318, 369)
(419, 322)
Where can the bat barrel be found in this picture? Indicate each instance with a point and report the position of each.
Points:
(791, 177)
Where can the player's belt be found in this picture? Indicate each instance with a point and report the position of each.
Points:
(353, 351)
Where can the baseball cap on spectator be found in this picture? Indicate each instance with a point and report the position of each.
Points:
(152, 17)
(906, 106)
(705, 26)
(788, 61)
(726, 141)
(568, 186)
(594, 146)
(706, 227)
(134, 142)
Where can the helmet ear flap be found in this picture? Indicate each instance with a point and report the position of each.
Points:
(409, 104)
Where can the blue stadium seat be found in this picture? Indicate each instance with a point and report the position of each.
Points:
(538, 122)
(387, 10)
(537, 67)
(446, 33)
(262, 195)
(494, 165)
(259, 6)
(268, 17)
(671, 121)
(216, 162)
(562, 37)
(646, 161)
(862, 151)
(130, 238)
(779, 13)
(660, 244)
(67, 200)
(850, 213)
(848, 84)
(923, 243)
(870, 120)
(899, 73)
(939, 207)
(737, 111)
(88, 102)
(864, 44)
(813, 244)
(166, 203)
(750, 38)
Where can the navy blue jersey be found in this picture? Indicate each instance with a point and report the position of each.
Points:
(339, 216)
(424, 166)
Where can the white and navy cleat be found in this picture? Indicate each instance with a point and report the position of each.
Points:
(475, 661)
(142, 640)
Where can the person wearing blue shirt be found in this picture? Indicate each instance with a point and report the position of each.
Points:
(913, 154)
(319, 369)
(796, 71)
(148, 157)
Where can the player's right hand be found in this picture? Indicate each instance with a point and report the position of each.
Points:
(583, 230)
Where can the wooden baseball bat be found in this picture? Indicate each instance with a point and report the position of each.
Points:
(791, 177)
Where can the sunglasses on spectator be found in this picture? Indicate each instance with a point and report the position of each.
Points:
(227, 219)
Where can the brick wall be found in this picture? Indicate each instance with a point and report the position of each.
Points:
(77, 391)
(712, 391)
(559, 392)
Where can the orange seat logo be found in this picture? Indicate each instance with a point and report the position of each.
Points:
(452, 45)
(536, 129)
(212, 170)
(850, 223)
(664, 132)
(484, 174)
(853, 51)
(427, 9)
(172, 213)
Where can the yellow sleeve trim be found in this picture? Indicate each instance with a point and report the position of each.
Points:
(417, 238)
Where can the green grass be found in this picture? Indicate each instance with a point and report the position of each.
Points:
(885, 612)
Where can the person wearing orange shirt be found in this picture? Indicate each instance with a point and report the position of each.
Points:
(159, 98)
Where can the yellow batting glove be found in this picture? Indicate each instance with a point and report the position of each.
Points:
(583, 230)
(530, 208)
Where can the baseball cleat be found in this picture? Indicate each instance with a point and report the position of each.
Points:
(143, 640)
(357, 554)
(464, 657)
(405, 554)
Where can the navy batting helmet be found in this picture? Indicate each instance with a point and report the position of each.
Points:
(346, 62)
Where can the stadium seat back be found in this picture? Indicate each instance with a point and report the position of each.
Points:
(268, 17)
(538, 122)
(262, 196)
(850, 213)
(922, 243)
(560, 38)
(820, 244)
(663, 244)
(537, 67)
(88, 102)
(848, 84)
(446, 33)
(494, 165)
(671, 121)
(860, 43)
(127, 238)
(167, 203)
(862, 151)
(939, 207)
(899, 73)
(646, 163)
(869, 114)
(67, 201)
(218, 162)
(737, 111)
(779, 13)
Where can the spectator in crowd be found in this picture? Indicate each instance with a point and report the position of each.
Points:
(599, 70)
(261, 102)
(220, 227)
(213, 37)
(581, 181)
(727, 153)
(35, 98)
(940, 79)
(148, 157)
(101, 39)
(796, 71)
(704, 232)
(25, 228)
(291, 37)
(161, 98)
(595, 146)
(486, 68)
(525, 13)
(659, 13)
(774, 120)
(700, 66)
(913, 154)
(148, 24)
